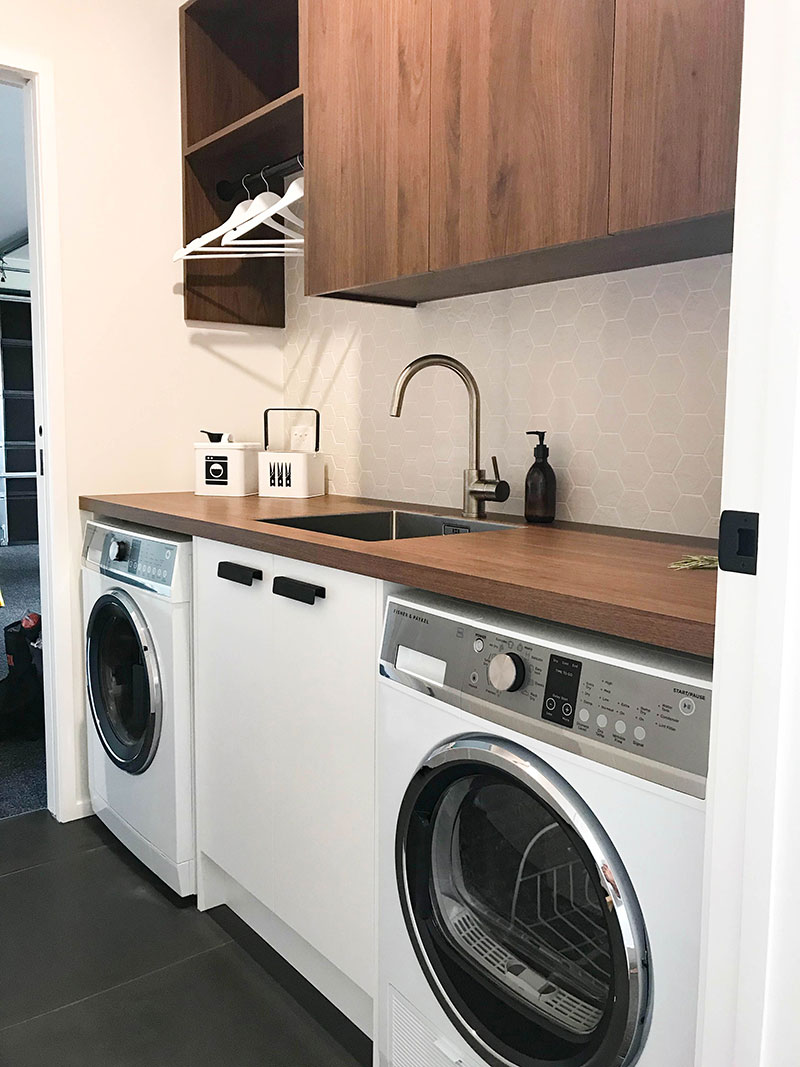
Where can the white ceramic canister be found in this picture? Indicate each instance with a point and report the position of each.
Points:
(224, 467)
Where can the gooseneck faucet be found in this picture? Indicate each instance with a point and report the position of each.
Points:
(477, 487)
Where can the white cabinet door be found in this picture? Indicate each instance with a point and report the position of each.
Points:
(234, 713)
(323, 708)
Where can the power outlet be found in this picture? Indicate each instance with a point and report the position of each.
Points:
(302, 439)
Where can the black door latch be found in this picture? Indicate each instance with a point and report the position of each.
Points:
(738, 541)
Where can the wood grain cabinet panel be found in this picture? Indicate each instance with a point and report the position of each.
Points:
(367, 141)
(677, 72)
(520, 116)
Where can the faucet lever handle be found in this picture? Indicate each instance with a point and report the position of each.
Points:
(496, 468)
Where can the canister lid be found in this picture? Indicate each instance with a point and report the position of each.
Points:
(229, 446)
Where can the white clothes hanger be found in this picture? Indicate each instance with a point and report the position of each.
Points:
(267, 202)
(286, 253)
(293, 194)
(256, 211)
(277, 246)
(238, 214)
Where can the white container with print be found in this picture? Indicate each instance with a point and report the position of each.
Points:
(223, 467)
(297, 472)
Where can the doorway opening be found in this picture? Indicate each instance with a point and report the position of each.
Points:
(23, 776)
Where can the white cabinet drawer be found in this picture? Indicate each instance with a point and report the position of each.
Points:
(234, 714)
(285, 735)
(323, 693)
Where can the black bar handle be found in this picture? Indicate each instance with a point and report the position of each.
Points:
(235, 572)
(316, 424)
(305, 592)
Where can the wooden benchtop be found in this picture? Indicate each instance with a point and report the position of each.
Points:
(592, 577)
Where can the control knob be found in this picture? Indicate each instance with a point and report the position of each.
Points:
(507, 672)
(117, 551)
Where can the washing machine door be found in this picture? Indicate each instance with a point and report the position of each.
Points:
(124, 681)
(520, 911)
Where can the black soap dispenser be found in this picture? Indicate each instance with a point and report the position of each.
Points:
(540, 484)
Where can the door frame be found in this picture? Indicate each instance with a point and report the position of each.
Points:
(67, 794)
(747, 1011)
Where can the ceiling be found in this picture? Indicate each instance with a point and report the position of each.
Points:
(13, 213)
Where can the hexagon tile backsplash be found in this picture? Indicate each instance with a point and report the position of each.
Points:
(625, 371)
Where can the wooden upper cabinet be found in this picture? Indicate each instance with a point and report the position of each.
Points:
(677, 72)
(462, 146)
(520, 116)
(367, 141)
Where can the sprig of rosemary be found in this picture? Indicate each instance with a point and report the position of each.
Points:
(695, 563)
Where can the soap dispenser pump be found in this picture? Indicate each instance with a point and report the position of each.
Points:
(540, 484)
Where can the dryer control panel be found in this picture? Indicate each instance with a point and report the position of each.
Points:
(620, 703)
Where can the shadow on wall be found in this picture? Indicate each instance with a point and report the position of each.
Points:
(219, 344)
(323, 371)
(319, 353)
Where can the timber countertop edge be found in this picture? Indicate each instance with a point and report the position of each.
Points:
(611, 582)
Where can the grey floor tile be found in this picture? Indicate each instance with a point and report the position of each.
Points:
(84, 923)
(29, 840)
(218, 1009)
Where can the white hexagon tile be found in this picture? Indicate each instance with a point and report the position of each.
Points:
(625, 371)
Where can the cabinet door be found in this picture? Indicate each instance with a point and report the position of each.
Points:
(677, 71)
(520, 113)
(323, 696)
(233, 716)
(367, 111)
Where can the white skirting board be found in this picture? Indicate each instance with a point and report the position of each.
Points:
(215, 886)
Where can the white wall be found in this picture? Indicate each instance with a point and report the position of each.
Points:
(138, 384)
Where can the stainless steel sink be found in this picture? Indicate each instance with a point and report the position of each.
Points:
(387, 525)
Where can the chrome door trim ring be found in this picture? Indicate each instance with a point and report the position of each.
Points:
(553, 790)
(145, 639)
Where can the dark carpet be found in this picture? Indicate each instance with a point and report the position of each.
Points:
(19, 582)
(23, 780)
(23, 785)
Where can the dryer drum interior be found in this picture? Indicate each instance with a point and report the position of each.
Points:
(123, 681)
(518, 931)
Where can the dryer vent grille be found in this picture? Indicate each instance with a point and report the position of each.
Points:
(413, 1042)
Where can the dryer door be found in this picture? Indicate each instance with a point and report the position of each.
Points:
(520, 910)
(124, 681)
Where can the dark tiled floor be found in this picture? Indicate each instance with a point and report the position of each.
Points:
(101, 967)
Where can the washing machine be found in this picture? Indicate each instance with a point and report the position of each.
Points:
(540, 843)
(137, 612)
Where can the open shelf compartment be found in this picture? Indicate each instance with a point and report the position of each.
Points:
(242, 111)
(237, 58)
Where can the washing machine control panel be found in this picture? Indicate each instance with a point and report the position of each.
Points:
(150, 561)
(567, 686)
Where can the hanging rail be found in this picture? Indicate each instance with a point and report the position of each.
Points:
(228, 190)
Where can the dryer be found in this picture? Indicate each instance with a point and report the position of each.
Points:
(137, 614)
(540, 843)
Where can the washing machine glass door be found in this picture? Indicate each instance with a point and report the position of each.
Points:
(520, 910)
(124, 681)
